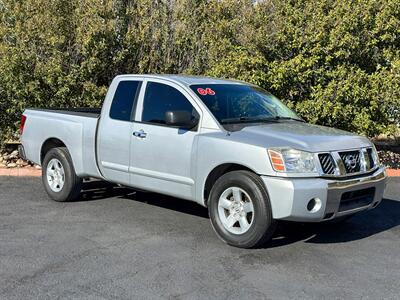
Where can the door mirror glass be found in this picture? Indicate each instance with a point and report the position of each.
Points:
(180, 118)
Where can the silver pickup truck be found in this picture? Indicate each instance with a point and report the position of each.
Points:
(227, 145)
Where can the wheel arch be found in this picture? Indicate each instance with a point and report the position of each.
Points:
(217, 172)
(49, 144)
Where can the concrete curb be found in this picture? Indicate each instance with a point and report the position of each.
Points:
(393, 172)
(21, 172)
(33, 172)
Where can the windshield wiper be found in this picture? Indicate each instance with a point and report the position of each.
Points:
(289, 118)
(247, 120)
(257, 119)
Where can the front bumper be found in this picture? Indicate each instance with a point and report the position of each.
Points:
(290, 196)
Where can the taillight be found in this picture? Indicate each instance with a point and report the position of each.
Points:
(21, 127)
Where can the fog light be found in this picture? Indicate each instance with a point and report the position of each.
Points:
(314, 205)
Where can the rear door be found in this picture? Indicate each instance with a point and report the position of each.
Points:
(115, 130)
(162, 155)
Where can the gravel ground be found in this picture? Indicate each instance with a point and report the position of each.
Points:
(120, 244)
(390, 159)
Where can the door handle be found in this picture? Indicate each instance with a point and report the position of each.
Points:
(140, 134)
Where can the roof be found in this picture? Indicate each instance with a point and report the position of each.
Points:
(189, 79)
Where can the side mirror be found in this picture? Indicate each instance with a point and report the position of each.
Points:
(180, 118)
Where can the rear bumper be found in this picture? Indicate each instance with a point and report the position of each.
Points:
(290, 196)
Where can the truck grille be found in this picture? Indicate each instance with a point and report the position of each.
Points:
(347, 162)
(371, 163)
(351, 161)
(327, 163)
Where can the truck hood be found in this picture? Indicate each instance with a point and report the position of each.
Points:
(301, 136)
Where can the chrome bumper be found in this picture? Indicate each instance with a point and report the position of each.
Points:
(290, 196)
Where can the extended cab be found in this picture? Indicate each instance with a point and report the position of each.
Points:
(227, 145)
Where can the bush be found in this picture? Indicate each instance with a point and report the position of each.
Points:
(336, 63)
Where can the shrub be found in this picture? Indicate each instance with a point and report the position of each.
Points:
(336, 63)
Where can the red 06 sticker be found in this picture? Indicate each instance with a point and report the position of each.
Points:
(210, 91)
(201, 91)
(206, 91)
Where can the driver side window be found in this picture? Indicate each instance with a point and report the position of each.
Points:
(160, 98)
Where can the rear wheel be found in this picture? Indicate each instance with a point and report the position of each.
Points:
(240, 210)
(58, 176)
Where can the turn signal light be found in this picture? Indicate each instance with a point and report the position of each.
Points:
(276, 160)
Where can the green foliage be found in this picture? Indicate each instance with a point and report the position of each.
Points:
(336, 63)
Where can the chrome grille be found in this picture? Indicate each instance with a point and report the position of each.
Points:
(347, 163)
(327, 163)
(351, 161)
(370, 159)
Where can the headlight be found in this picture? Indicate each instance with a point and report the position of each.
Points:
(292, 160)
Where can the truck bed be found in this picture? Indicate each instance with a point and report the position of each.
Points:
(73, 127)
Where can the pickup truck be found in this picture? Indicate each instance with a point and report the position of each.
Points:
(227, 145)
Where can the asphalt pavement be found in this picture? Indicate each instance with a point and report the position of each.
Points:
(120, 244)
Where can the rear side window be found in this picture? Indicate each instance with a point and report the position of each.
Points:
(159, 99)
(124, 99)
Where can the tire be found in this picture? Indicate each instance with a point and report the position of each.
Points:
(259, 225)
(59, 161)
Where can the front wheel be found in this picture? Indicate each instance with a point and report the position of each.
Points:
(58, 176)
(240, 210)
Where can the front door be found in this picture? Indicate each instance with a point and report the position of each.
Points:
(162, 156)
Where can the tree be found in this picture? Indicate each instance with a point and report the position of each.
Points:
(336, 63)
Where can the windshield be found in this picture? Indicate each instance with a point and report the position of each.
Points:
(236, 103)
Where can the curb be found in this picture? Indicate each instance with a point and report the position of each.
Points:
(32, 172)
(393, 172)
(20, 172)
